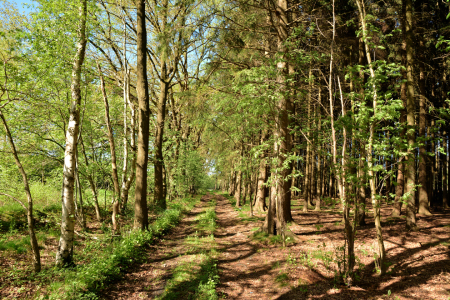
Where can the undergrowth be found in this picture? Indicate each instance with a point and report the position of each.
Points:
(83, 281)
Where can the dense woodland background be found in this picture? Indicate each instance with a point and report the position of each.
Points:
(120, 109)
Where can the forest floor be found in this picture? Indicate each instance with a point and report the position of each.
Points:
(177, 266)
(252, 265)
(217, 249)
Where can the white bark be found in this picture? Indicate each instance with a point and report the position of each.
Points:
(64, 254)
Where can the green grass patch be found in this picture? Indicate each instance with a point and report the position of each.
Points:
(264, 238)
(194, 279)
(197, 276)
(206, 221)
(82, 281)
(326, 257)
(19, 246)
(282, 279)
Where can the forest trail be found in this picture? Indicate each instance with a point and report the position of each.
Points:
(247, 271)
(181, 246)
(250, 265)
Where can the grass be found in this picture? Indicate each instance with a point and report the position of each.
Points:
(98, 261)
(197, 276)
(83, 281)
(326, 257)
(282, 279)
(206, 221)
(19, 246)
(264, 238)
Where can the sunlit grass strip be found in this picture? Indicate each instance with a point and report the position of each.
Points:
(197, 276)
(83, 281)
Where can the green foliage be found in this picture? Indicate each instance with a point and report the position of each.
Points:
(85, 280)
(19, 246)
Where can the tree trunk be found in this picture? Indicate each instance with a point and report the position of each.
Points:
(232, 183)
(112, 147)
(64, 254)
(126, 185)
(260, 204)
(91, 183)
(270, 222)
(369, 155)
(319, 160)
(126, 97)
(81, 210)
(140, 206)
(237, 192)
(308, 164)
(159, 199)
(29, 209)
(423, 176)
(361, 191)
(410, 110)
(445, 172)
(281, 132)
(312, 175)
(397, 207)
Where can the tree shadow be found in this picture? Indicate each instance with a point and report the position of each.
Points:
(405, 275)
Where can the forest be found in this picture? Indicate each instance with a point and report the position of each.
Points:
(234, 149)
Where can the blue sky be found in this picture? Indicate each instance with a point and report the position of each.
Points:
(20, 5)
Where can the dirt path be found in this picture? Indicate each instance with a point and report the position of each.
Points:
(246, 270)
(150, 280)
(259, 268)
(254, 266)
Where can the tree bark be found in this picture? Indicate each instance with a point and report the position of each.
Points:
(64, 254)
(159, 199)
(140, 206)
(410, 184)
(319, 160)
(369, 155)
(445, 173)
(126, 185)
(260, 204)
(237, 192)
(423, 157)
(29, 209)
(112, 147)
(308, 164)
(91, 183)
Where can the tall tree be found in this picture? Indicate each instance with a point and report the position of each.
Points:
(64, 255)
(410, 184)
(140, 206)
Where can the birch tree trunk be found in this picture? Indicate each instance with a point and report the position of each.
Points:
(64, 254)
(260, 204)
